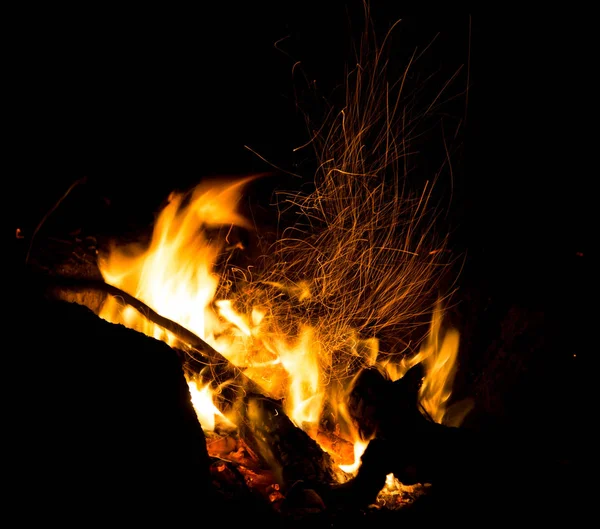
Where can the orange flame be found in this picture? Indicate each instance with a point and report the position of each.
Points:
(176, 275)
(207, 412)
(438, 354)
(362, 276)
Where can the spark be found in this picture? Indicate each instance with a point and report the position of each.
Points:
(352, 282)
(365, 244)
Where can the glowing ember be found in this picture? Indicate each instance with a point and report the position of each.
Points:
(395, 495)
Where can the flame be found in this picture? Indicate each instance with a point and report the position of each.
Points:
(176, 275)
(439, 358)
(359, 449)
(306, 391)
(203, 402)
(350, 276)
(439, 355)
(395, 494)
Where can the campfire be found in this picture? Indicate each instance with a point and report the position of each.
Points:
(317, 358)
(270, 346)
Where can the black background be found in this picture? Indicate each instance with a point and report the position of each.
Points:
(144, 102)
(148, 101)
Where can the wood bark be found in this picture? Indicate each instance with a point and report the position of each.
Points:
(287, 449)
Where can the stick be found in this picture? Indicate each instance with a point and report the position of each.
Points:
(221, 369)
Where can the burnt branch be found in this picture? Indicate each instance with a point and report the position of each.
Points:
(290, 452)
(195, 354)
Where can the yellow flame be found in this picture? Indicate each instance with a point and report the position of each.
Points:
(176, 276)
(359, 267)
(207, 412)
(306, 391)
(439, 355)
(395, 494)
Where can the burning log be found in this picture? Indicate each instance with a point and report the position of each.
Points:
(343, 449)
(288, 450)
(288, 454)
(467, 472)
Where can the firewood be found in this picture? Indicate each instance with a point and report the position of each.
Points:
(100, 421)
(468, 472)
(198, 357)
(404, 440)
(340, 449)
(220, 446)
(377, 404)
(291, 454)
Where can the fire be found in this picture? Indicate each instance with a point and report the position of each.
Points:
(177, 275)
(337, 291)
(439, 355)
(202, 400)
(359, 449)
(395, 494)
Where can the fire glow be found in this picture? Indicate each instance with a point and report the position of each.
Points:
(176, 275)
(303, 325)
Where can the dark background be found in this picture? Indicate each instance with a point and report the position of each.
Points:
(145, 102)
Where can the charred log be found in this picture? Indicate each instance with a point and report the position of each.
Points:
(376, 403)
(471, 473)
(286, 449)
(98, 420)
